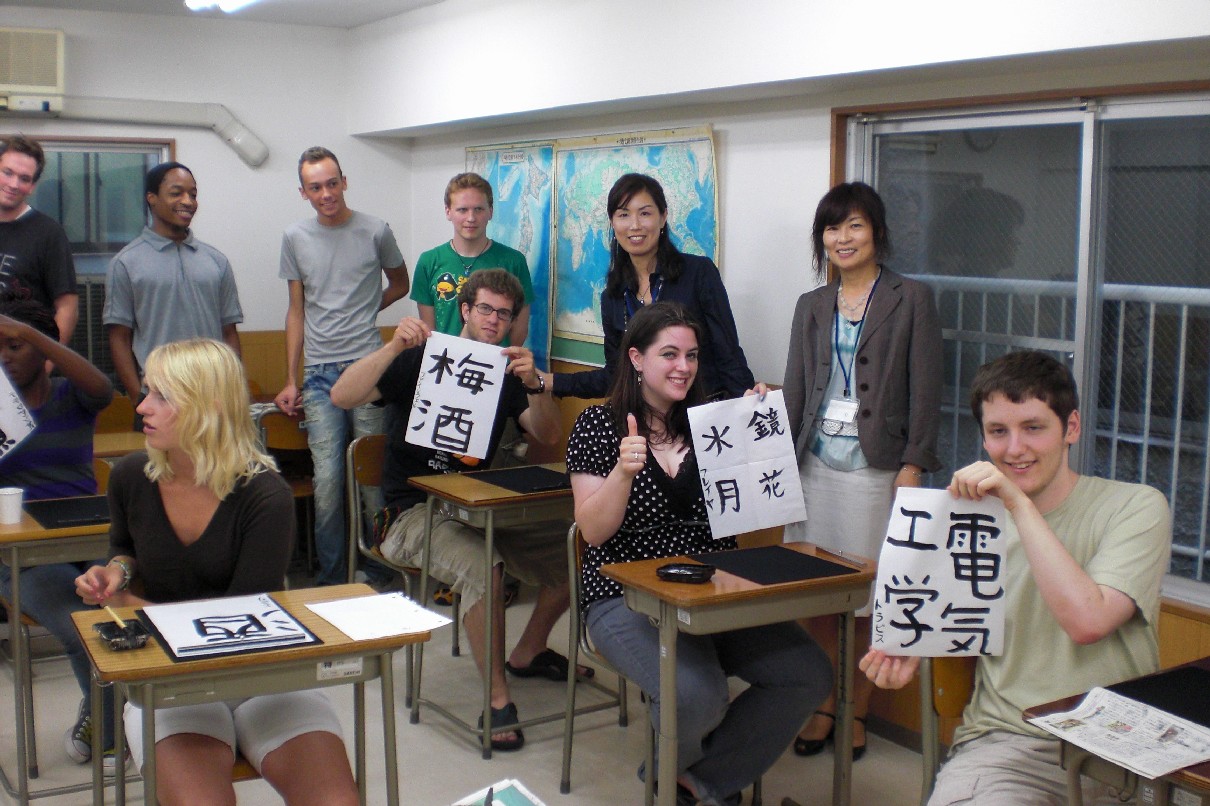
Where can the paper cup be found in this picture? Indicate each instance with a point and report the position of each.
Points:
(10, 504)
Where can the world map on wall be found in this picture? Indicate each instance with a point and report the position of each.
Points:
(572, 179)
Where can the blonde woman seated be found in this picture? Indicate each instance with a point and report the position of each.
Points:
(204, 513)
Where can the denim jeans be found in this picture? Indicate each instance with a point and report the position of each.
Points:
(48, 594)
(330, 429)
(722, 745)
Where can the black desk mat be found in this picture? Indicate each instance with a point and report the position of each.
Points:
(1181, 691)
(769, 565)
(526, 479)
(60, 513)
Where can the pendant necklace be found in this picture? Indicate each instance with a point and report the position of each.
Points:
(466, 267)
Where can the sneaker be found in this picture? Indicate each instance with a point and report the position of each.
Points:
(109, 762)
(78, 739)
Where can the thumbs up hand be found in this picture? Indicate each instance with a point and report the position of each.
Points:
(632, 452)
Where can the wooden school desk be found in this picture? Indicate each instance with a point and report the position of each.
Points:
(150, 679)
(1187, 787)
(485, 506)
(24, 545)
(729, 602)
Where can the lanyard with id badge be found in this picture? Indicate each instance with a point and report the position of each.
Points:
(840, 413)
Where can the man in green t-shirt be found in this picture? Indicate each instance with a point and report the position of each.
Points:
(1084, 560)
(441, 271)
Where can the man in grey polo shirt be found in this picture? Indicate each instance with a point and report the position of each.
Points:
(166, 285)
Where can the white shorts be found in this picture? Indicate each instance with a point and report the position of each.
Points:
(255, 727)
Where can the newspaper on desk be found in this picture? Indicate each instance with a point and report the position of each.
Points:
(1140, 738)
(364, 618)
(204, 627)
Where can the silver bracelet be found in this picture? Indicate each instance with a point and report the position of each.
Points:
(915, 473)
(127, 572)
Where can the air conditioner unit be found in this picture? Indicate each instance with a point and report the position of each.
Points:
(31, 62)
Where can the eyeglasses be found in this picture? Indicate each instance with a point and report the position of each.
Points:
(505, 314)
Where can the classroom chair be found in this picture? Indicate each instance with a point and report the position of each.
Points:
(117, 417)
(284, 435)
(578, 643)
(364, 461)
(945, 688)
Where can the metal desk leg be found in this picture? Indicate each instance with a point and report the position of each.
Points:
(148, 702)
(668, 726)
(359, 737)
(387, 682)
(842, 768)
(489, 618)
(422, 596)
(98, 769)
(19, 672)
(119, 744)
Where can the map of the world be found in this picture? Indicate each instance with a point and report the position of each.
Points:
(567, 182)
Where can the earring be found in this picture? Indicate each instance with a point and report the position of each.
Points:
(638, 374)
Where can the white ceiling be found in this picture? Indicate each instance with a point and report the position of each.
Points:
(327, 13)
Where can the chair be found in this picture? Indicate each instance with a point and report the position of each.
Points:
(578, 642)
(280, 433)
(945, 688)
(364, 461)
(118, 416)
(100, 470)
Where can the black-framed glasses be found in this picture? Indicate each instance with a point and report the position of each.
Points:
(505, 314)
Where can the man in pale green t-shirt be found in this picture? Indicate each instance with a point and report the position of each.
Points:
(1083, 566)
(441, 271)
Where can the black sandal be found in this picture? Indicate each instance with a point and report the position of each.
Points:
(859, 749)
(502, 721)
(813, 747)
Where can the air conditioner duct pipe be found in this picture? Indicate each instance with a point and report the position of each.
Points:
(251, 149)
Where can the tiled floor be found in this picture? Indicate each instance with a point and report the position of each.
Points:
(438, 765)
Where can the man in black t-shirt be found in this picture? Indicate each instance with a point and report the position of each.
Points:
(489, 301)
(34, 251)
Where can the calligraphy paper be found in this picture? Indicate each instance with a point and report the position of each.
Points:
(203, 627)
(746, 461)
(457, 395)
(16, 423)
(939, 591)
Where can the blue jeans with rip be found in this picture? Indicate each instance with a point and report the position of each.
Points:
(723, 745)
(48, 594)
(330, 429)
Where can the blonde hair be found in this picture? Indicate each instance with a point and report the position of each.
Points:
(204, 381)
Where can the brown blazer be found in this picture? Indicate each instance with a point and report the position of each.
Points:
(898, 368)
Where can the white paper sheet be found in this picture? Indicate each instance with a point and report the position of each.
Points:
(746, 461)
(16, 423)
(456, 399)
(378, 616)
(232, 624)
(939, 591)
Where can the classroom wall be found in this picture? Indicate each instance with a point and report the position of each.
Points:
(773, 162)
(423, 68)
(286, 83)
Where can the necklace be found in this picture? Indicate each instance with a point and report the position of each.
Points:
(856, 310)
(461, 258)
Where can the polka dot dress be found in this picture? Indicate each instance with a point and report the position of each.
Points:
(664, 517)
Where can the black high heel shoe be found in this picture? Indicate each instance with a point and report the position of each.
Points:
(813, 747)
(859, 749)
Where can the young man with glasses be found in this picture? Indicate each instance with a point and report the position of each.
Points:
(489, 302)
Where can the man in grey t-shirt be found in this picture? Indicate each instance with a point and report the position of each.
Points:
(332, 264)
(166, 285)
